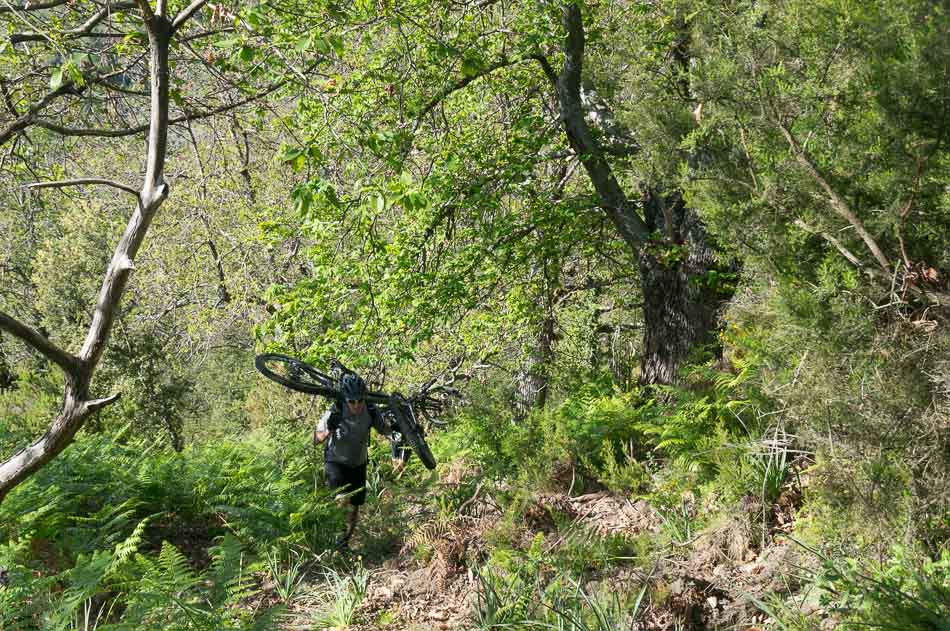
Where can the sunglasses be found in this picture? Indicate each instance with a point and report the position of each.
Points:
(354, 401)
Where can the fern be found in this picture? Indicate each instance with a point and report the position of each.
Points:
(232, 580)
(85, 580)
(124, 550)
(95, 510)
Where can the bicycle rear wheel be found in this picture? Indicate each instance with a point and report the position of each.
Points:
(295, 374)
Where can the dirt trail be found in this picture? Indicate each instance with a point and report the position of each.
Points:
(431, 581)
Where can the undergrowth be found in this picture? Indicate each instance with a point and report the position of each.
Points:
(140, 536)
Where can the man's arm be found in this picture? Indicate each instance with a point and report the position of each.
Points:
(379, 423)
(322, 431)
(400, 454)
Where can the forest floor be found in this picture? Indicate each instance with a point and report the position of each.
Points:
(420, 566)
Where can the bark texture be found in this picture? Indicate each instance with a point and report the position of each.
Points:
(681, 301)
(533, 377)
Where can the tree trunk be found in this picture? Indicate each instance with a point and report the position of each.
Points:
(77, 406)
(7, 378)
(533, 376)
(682, 297)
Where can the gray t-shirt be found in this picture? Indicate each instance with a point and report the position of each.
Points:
(348, 444)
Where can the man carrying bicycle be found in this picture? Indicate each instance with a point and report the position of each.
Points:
(345, 428)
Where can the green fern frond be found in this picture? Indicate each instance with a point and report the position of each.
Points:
(85, 580)
(125, 549)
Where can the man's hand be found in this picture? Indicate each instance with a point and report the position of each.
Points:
(319, 437)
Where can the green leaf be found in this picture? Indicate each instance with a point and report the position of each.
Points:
(56, 80)
(175, 95)
(231, 42)
(322, 45)
(336, 42)
(305, 43)
(291, 154)
(471, 67)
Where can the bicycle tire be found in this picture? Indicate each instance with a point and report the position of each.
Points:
(413, 433)
(292, 373)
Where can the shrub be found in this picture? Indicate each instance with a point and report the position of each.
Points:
(906, 592)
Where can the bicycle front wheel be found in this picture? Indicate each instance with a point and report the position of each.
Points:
(414, 435)
(295, 374)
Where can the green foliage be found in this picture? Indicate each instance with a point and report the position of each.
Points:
(531, 600)
(99, 521)
(343, 596)
(592, 430)
(623, 475)
(582, 550)
(287, 576)
(850, 88)
(168, 593)
(904, 592)
(26, 409)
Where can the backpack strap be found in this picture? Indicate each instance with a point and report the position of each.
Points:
(336, 416)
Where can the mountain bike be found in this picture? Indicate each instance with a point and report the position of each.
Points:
(401, 411)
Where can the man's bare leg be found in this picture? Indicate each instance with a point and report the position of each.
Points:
(351, 522)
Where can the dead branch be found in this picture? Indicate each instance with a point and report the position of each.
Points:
(81, 182)
(837, 202)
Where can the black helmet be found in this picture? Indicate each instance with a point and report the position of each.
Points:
(352, 387)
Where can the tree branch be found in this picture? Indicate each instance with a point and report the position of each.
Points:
(79, 31)
(146, 9)
(41, 343)
(936, 298)
(546, 68)
(68, 87)
(845, 252)
(186, 13)
(97, 404)
(82, 181)
(132, 131)
(33, 6)
(837, 203)
(448, 90)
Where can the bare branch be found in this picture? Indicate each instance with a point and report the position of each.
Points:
(132, 131)
(82, 181)
(33, 6)
(187, 12)
(40, 342)
(546, 68)
(935, 297)
(80, 31)
(845, 252)
(146, 9)
(837, 203)
(68, 87)
(461, 83)
(92, 132)
(97, 404)
(77, 405)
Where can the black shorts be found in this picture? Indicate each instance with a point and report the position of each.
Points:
(347, 479)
